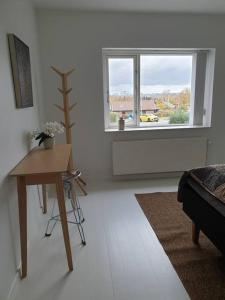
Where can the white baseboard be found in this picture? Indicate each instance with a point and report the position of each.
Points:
(14, 286)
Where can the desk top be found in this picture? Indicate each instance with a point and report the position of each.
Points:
(40, 161)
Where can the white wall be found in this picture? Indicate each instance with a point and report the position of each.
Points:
(70, 39)
(16, 17)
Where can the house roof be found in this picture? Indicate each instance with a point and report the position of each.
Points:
(127, 105)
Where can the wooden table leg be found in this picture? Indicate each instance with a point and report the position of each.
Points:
(63, 217)
(22, 204)
(44, 196)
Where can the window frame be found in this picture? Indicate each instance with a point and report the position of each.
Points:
(136, 54)
(135, 92)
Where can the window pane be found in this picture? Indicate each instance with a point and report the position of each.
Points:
(121, 90)
(165, 89)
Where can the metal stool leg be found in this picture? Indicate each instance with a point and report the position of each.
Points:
(82, 181)
(76, 174)
(82, 219)
(80, 186)
(52, 218)
(76, 210)
(77, 216)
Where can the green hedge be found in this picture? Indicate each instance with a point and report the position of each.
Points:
(179, 117)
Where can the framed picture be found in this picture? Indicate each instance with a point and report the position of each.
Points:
(21, 71)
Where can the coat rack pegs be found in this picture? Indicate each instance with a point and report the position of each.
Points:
(72, 106)
(68, 91)
(66, 108)
(59, 107)
(62, 74)
(57, 71)
(69, 72)
(64, 91)
(60, 90)
(63, 124)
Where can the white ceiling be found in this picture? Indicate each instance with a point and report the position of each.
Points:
(191, 6)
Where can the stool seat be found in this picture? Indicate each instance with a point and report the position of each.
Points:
(76, 176)
(76, 173)
(72, 175)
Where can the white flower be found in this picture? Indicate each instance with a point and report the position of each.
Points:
(50, 128)
(33, 134)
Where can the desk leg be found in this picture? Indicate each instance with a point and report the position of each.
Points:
(44, 196)
(63, 217)
(22, 204)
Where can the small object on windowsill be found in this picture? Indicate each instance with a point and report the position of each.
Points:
(121, 123)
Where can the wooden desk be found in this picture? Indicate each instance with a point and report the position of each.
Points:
(42, 166)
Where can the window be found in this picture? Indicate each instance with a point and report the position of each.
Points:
(121, 90)
(158, 88)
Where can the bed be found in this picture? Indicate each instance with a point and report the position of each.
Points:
(203, 205)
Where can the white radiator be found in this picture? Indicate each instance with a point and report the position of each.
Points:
(158, 155)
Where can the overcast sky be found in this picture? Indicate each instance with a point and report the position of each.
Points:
(158, 73)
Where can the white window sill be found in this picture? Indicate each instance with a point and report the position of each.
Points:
(127, 129)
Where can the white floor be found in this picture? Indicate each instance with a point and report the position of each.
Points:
(122, 260)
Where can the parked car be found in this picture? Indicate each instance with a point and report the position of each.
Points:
(149, 118)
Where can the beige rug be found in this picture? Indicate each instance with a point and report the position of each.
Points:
(200, 268)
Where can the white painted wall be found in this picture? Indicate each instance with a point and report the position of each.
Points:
(70, 39)
(16, 17)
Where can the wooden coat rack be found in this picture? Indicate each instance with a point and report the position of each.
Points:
(66, 109)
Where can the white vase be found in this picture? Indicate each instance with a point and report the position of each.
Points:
(49, 143)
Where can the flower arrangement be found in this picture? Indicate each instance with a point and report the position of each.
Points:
(49, 131)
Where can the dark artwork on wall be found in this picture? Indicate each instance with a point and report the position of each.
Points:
(21, 71)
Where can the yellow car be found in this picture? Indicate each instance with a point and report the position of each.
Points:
(149, 118)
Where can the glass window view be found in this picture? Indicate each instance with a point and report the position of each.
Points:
(121, 90)
(150, 89)
(165, 89)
